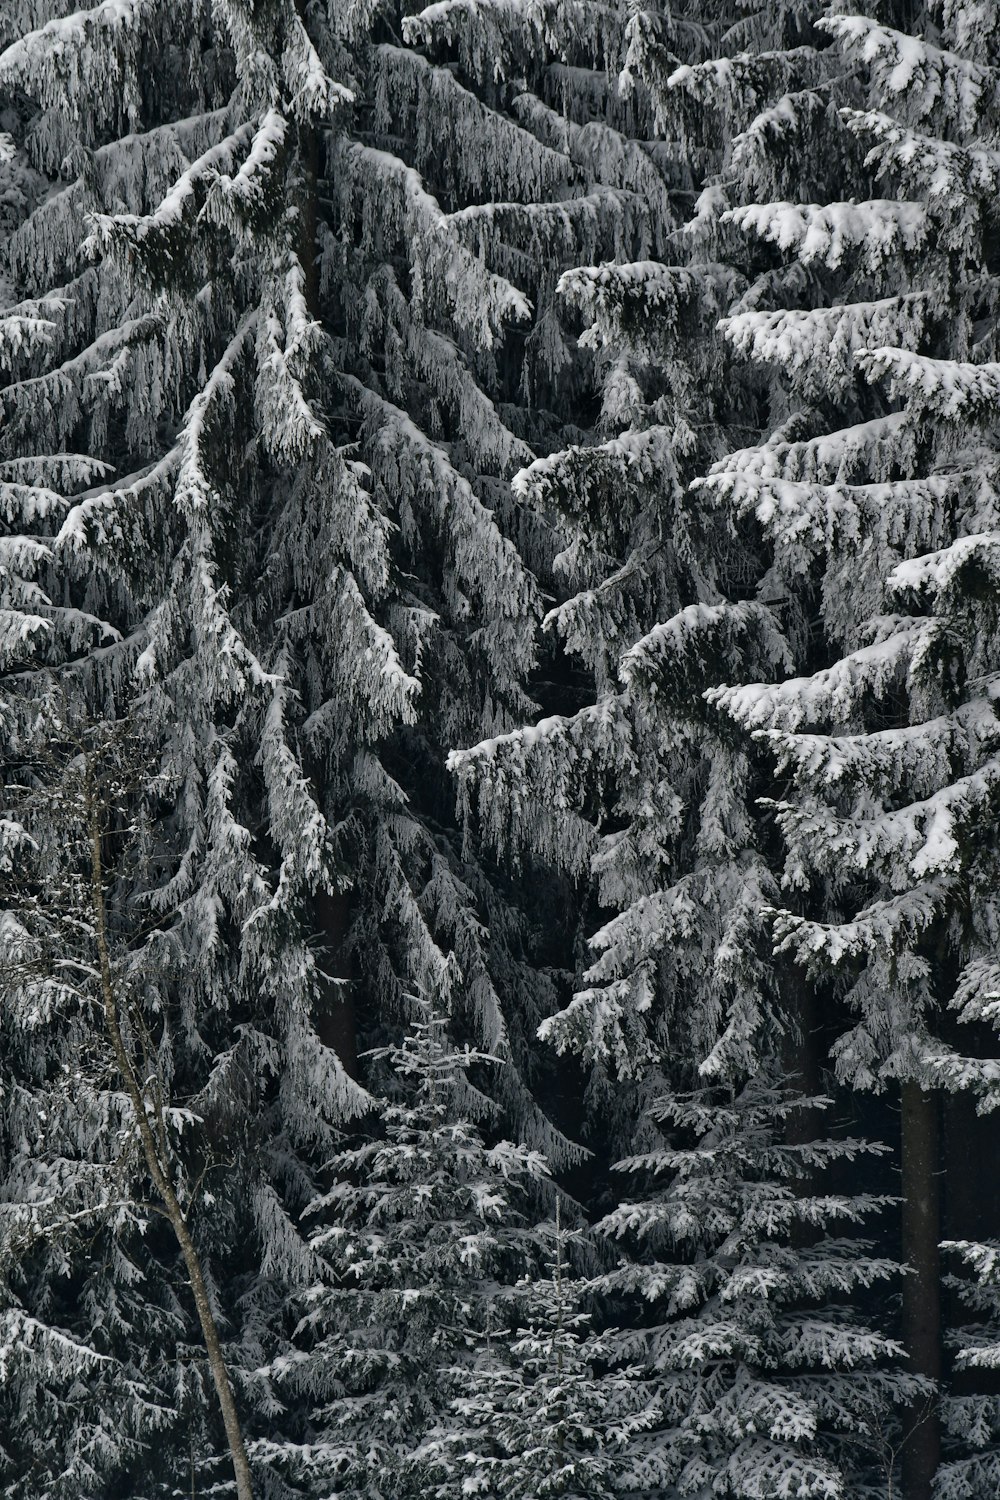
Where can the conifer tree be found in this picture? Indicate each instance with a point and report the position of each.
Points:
(421, 1239)
(875, 325)
(971, 1423)
(740, 1303)
(649, 793)
(258, 415)
(547, 1409)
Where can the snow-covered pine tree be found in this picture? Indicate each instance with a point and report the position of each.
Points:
(547, 1409)
(876, 489)
(76, 970)
(651, 796)
(258, 414)
(768, 1382)
(971, 1465)
(633, 795)
(422, 1240)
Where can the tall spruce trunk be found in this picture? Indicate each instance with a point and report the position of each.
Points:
(336, 1022)
(921, 1224)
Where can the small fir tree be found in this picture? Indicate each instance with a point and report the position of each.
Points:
(971, 1463)
(768, 1380)
(547, 1409)
(422, 1239)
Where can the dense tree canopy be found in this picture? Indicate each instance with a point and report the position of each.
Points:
(498, 618)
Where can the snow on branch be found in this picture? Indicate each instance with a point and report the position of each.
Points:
(940, 170)
(407, 343)
(136, 168)
(367, 675)
(83, 64)
(806, 520)
(928, 836)
(836, 693)
(885, 926)
(524, 240)
(948, 388)
(875, 230)
(488, 154)
(483, 562)
(490, 35)
(288, 341)
(624, 299)
(443, 270)
(99, 375)
(605, 157)
(822, 342)
(576, 479)
(921, 757)
(950, 569)
(925, 82)
(295, 822)
(195, 490)
(676, 657)
(875, 447)
(27, 326)
(173, 209)
(736, 83)
(312, 93)
(530, 781)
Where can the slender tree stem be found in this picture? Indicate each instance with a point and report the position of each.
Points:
(156, 1163)
(922, 1289)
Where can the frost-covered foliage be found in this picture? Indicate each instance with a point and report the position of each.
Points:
(546, 1409)
(886, 740)
(90, 1388)
(829, 570)
(972, 1420)
(646, 795)
(767, 1380)
(275, 333)
(865, 200)
(606, 395)
(421, 1242)
(634, 795)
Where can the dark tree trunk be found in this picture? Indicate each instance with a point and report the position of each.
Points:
(150, 1122)
(309, 162)
(804, 1056)
(335, 1018)
(921, 1216)
(336, 1021)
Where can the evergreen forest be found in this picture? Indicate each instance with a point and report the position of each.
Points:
(500, 750)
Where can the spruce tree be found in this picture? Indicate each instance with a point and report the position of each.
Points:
(740, 1302)
(971, 1438)
(259, 411)
(421, 1240)
(547, 1409)
(873, 485)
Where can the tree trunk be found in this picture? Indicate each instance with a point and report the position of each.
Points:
(336, 1023)
(803, 1069)
(921, 1216)
(157, 1163)
(308, 206)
